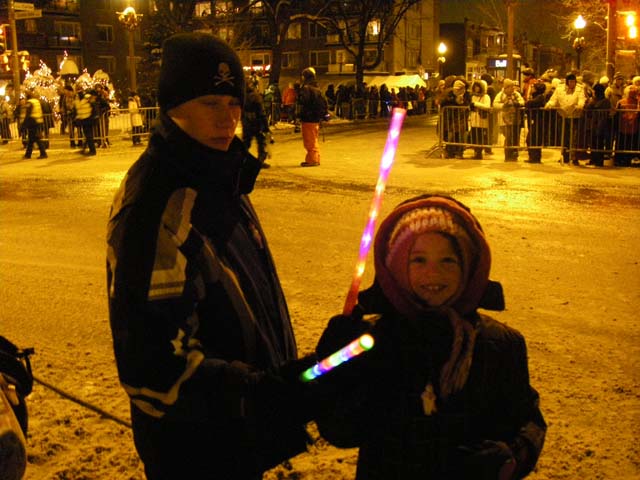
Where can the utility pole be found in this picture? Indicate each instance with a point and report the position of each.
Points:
(510, 28)
(14, 46)
(612, 35)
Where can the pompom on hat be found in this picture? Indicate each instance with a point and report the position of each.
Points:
(196, 64)
(459, 86)
(423, 214)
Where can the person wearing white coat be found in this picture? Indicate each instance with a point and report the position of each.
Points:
(509, 103)
(479, 117)
(136, 118)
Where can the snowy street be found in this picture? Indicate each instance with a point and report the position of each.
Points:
(565, 243)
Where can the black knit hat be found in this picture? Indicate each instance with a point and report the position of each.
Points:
(196, 64)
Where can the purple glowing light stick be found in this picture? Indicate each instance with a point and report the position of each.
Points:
(388, 156)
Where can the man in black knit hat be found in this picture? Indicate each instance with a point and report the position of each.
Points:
(202, 336)
(312, 109)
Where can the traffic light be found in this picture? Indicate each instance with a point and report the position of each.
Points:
(630, 21)
(3, 40)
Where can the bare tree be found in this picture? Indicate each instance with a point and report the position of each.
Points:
(594, 45)
(248, 16)
(361, 24)
(167, 18)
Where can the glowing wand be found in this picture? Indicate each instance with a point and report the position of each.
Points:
(388, 156)
(355, 348)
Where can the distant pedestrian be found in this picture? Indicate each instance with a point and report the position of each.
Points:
(85, 116)
(135, 116)
(5, 120)
(34, 123)
(509, 104)
(569, 100)
(255, 124)
(313, 110)
(479, 117)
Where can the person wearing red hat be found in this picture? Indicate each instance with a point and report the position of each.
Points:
(444, 392)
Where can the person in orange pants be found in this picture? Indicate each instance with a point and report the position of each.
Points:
(312, 108)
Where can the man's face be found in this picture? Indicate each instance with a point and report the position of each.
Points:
(210, 119)
(435, 272)
(571, 84)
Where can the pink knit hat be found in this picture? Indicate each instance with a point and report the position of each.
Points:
(397, 234)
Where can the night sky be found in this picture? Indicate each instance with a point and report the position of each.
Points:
(454, 11)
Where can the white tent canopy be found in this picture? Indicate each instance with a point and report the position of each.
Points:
(394, 81)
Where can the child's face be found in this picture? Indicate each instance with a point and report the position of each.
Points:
(435, 272)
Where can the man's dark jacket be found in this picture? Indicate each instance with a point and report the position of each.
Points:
(193, 292)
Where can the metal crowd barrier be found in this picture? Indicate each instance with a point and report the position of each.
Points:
(354, 109)
(595, 134)
(112, 126)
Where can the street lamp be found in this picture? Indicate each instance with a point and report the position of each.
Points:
(442, 49)
(131, 20)
(578, 42)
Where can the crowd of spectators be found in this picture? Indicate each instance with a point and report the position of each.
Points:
(586, 117)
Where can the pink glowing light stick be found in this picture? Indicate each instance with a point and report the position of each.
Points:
(388, 156)
(355, 348)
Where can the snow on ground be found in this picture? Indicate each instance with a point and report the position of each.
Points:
(565, 242)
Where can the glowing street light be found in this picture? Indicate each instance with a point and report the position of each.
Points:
(131, 20)
(578, 42)
(442, 50)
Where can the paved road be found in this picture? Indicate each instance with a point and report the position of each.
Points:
(566, 247)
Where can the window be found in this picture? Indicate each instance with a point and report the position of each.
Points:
(260, 59)
(290, 60)
(203, 9)
(223, 9)
(107, 63)
(373, 28)
(319, 57)
(226, 34)
(316, 31)
(67, 30)
(412, 57)
(370, 55)
(30, 25)
(257, 8)
(294, 32)
(105, 33)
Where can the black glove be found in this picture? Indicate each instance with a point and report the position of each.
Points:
(340, 331)
(488, 460)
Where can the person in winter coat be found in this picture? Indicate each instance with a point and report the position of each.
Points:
(255, 124)
(627, 123)
(202, 336)
(34, 125)
(444, 393)
(289, 103)
(134, 104)
(599, 119)
(538, 121)
(455, 118)
(569, 100)
(5, 120)
(312, 109)
(508, 102)
(479, 117)
(85, 115)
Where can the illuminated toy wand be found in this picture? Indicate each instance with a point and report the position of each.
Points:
(365, 342)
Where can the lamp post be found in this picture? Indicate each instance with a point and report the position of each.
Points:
(578, 42)
(442, 49)
(131, 20)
